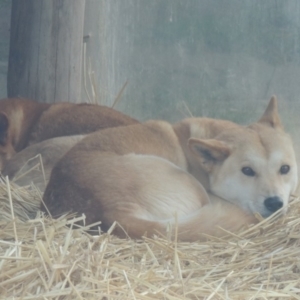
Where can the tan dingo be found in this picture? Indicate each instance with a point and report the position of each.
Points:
(33, 165)
(138, 176)
(24, 122)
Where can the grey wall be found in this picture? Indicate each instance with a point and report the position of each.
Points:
(221, 58)
(5, 6)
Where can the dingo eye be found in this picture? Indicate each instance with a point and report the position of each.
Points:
(284, 169)
(248, 171)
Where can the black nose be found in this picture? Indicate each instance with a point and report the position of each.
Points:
(273, 203)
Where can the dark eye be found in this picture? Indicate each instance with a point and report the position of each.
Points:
(284, 169)
(248, 171)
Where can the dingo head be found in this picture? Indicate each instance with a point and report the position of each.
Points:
(253, 167)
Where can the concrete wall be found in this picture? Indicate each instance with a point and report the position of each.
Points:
(221, 58)
(5, 7)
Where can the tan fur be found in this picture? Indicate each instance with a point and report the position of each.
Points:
(127, 174)
(24, 122)
(214, 219)
(145, 195)
(33, 165)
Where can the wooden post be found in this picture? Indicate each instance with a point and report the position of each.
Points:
(45, 57)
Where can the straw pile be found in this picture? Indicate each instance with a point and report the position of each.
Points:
(42, 258)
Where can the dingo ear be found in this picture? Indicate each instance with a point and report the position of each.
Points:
(271, 116)
(209, 151)
(4, 124)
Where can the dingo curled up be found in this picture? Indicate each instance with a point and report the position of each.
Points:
(197, 175)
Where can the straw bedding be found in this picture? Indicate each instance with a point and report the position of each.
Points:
(42, 258)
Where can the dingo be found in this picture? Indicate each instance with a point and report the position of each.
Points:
(24, 122)
(35, 163)
(136, 175)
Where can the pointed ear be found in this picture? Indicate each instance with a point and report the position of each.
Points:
(209, 152)
(271, 116)
(4, 124)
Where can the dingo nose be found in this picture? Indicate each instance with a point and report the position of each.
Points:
(273, 203)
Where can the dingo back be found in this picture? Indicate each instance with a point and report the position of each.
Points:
(24, 122)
